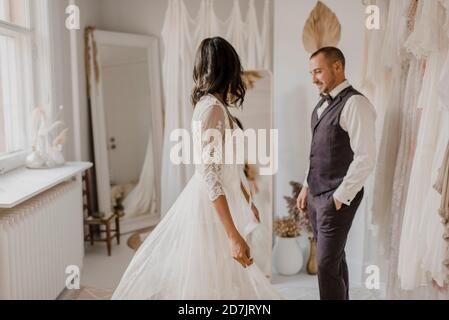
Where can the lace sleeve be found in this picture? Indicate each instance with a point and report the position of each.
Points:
(212, 138)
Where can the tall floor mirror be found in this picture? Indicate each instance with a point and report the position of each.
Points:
(126, 116)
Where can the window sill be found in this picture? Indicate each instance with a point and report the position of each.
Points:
(22, 184)
(12, 161)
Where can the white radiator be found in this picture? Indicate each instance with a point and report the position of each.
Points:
(38, 240)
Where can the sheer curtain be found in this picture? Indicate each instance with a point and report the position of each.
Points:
(181, 36)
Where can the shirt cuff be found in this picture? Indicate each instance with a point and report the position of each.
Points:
(305, 184)
(343, 196)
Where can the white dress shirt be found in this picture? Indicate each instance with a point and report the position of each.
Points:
(358, 120)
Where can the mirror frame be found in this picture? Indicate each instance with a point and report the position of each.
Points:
(151, 43)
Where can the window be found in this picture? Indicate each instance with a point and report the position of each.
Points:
(13, 49)
(21, 34)
(15, 12)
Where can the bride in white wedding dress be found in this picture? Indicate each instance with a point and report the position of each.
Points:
(199, 250)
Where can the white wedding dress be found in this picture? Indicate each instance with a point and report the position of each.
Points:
(421, 250)
(187, 256)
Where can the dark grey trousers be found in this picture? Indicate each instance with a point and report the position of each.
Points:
(331, 228)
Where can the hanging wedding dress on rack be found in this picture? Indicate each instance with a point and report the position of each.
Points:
(442, 87)
(436, 246)
(376, 88)
(442, 182)
(427, 40)
(412, 49)
(408, 133)
(390, 138)
(442, 187)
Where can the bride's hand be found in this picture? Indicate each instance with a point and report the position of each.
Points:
(240, 250)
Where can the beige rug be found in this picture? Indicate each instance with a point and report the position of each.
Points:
(136, 239)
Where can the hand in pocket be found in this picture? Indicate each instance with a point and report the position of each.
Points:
(338, 205)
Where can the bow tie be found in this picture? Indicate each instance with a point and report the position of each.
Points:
(326, 97)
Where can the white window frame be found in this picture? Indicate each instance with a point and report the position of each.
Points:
(36, 71)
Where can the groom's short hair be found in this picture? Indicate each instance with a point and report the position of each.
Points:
(332, 54)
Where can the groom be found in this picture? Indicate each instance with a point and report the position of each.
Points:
(342, 157)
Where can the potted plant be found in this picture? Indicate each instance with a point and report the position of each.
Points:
(287, 253)
(303, 222)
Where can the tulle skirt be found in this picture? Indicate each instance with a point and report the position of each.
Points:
(187, 256)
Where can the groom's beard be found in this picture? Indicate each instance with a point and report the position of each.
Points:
(326, 88)
(322, 88)
(329, 86)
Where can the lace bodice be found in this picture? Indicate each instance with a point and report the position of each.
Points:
(209, 123)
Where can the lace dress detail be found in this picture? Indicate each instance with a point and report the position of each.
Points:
(421, 261)
(212, 142)
(408, 134)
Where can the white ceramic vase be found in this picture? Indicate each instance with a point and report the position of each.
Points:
(56, 157)
(35, 160)
(287, 256)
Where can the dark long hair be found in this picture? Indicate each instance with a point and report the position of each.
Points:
(218, 70)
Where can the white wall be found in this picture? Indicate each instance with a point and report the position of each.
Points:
(61, 64)
(89, 16)
(296, 96)
(147, 16)
(61, 69)
(133, 16)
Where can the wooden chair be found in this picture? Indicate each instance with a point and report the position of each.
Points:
(100, 219)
